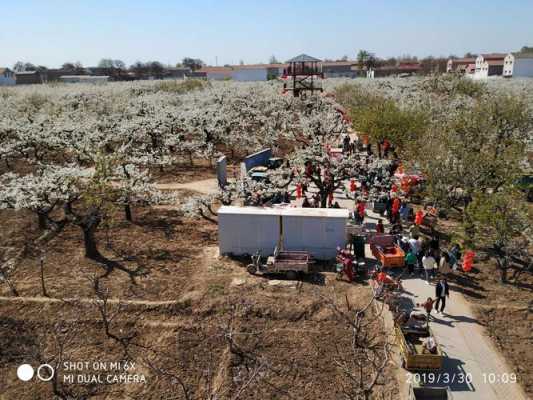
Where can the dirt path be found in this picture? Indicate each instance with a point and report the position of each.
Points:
(204, 186)
(40, 299)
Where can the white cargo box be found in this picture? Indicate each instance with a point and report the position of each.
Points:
(245, 230)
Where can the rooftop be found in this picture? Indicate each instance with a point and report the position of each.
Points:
(303, 58)
(285, 211)
(465, 60)
(492, 56)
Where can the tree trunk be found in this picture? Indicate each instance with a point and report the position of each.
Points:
(502, 266)
(502, 263)
(127, 210)
(323, 199)
(91, 249)
(43, 223)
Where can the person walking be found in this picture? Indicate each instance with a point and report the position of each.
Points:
(428, 306)
(429, 264)
(410, 261)
(442, 290)
(444, 263)
(416, 248)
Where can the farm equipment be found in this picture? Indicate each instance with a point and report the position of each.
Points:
(386, 251)
(414, 350)
(290, 263)
(429, 393)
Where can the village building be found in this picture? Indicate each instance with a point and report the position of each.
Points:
(340, 69)
(7, 77)
(518, 65)
(461, 65)
(28, 78)
(217, 73)
(257, 72)
(489, 65)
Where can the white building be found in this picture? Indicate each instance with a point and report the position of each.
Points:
(489, 65)
(7, 77)
(216, 73)
(245, 230)
(518, 65)
(257, 72)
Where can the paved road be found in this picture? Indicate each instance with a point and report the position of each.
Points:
(469, 352)
(478, 370)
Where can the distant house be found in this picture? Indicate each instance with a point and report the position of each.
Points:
(83, 79)
(217, 73)
(518, 65)
(7, 77)
(28, 78)
(257, 72)
(403, 69)
(197, 75)
(460, 64)
(489, 65)
(339, 69)
(176, 73)
(409, 68)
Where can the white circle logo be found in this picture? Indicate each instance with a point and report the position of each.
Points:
(25, 372)
(50, 373)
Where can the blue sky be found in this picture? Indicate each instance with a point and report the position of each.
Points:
(50, 32)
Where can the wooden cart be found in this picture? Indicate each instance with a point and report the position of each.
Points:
(386, 251)
(412, 351)
(289, 263)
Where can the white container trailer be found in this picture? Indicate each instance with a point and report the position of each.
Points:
(245, 230)
(316, 230)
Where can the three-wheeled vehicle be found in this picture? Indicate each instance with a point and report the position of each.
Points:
(415, 355)
(429, 393)
(386, 251)
(290, 263)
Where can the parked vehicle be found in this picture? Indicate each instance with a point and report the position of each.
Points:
(429, 393)
(386, 251)
(274, 162)
(414, 355)
(290, 263)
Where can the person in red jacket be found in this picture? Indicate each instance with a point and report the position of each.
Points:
(419, 217)
(361, 210)
(386, 148)
(395, 214)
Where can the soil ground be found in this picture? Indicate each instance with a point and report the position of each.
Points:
(186, 317)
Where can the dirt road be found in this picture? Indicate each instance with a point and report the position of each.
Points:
(205, 186)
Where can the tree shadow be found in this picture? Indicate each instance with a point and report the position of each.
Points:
(110, 265)
(452, 374)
